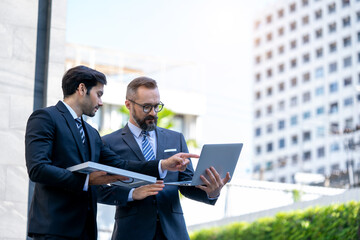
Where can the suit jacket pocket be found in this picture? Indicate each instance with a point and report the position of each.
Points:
(122, 212)
(176, 208)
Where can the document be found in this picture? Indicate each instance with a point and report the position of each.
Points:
(135, 179)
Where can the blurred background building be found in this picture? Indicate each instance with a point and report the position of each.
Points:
(307, 91)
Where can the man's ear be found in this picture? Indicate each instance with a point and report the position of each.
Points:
(127, 104)
(82, 89)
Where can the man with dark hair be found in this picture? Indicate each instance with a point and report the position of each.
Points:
(64, 203)
(144, 212)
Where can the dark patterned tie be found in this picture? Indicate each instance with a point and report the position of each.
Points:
(81, 129)
(146, 147)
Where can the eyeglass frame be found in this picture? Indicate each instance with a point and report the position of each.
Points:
(149, 105)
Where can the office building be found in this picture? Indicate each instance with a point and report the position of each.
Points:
(306, 90)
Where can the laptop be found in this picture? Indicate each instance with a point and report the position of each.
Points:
(223, 157)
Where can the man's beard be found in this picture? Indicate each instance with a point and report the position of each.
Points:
(143, 125)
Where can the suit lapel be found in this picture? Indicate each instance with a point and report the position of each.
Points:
(129, 139)
(73, 128)
(160, 137)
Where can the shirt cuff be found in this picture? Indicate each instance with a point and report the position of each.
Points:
(86, 185)
(130, 199)
(162, 173)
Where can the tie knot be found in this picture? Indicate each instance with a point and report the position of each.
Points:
(78, 120)
(145, 133)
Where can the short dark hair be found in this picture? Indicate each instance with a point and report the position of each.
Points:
(81, 74)
(138, 82)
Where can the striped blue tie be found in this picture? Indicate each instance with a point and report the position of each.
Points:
(81, 129)
(146, 147)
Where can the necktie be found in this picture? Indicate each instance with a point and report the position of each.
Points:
(146, 147)
(81, 129)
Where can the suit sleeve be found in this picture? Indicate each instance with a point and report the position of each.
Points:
(191, 192)
(39, 141)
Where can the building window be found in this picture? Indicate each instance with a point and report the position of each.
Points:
(345, 3)
(346, 21)
(258, 113)
(258, 77)
(306, 77)
(281, 68)
(257, 24)
(281, 105)
(332, 27)
(321, 170)
(258, 59)
(281, 50)
(320, 111)
(333, 87)
(319, 72)
(293, 120)
(319, 53)
(269, 110)
(294, 140)
(349, 123)
(320, 131)
(358, 36)
(268, 55)
(269, 91)
(292, 7)
(256, 168)
(281, 124)
(269, 73)
(332, 67)
(269, 128)
(293, 63)
(305, 39)
(358, 16)
(293, 82)
(258, 150)
(280, 13)
(258, 95)
(347, 62)
(268, 19)
(281, 87)
(348, 101)
(269, 166)
(293, 44)
(294, 159)
(332, 8)
(334, 128)
(269, 37)
(334, 147)
(321, 152)
(281, 143)
(306, 115)
(318, 33)
(305, 3)
(292, 26)
(332, 47)
(307, 156)
(305, 20)
(257, 42)
(347, 41)
(358, 57)
(319, 91)
(269, 147)
(318, 14)
(306, 58)
(258, 132)
(334, 108)
(347, 81)
(281, 31)
(306, 97)
(293, 101)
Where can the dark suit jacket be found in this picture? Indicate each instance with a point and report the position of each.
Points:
(137, 219)
(53, 143)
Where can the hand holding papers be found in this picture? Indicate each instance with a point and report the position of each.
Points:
(133, 179)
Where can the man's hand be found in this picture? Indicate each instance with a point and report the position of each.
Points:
(148, 190)
(214, 185)
(101, 177)
(177, 162)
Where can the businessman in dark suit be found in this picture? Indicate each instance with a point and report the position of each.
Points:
(64, 203)
(147, 212)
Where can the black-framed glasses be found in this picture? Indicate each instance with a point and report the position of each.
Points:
(148, 107)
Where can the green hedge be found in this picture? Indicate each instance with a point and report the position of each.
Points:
(337, 221)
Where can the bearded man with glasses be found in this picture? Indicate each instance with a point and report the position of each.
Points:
(152, 211)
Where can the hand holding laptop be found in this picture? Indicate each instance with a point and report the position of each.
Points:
(101, 177)
(177, 162)
(213, 182)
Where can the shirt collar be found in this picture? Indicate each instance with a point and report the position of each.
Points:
(136, 131)
(72, 112)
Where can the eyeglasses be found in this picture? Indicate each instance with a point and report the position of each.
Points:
(147, 108)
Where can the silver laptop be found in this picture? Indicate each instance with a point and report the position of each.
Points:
(223, 157)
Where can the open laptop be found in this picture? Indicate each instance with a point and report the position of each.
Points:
(223, 157)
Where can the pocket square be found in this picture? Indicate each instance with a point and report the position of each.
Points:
(170, 150)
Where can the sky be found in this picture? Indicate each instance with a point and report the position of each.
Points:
(216, 34)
